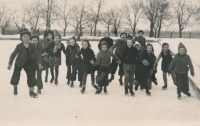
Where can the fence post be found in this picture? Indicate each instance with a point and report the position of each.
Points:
(190, 35)
(171, 34)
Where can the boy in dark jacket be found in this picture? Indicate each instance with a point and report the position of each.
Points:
(104, 61)
(26, 54)
(68, 77)
(180, 65)
(107, 39)
(120, 45)
(140, 39)
(40, 49)
(167, 57)
(71, 51)
(54, 50)
(129, 57)
(86, 66)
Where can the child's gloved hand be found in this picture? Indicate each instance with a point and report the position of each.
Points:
(40, 67)
(192, 74)
(119, 62)
(145, 62)
(92, 62)
(9, 67)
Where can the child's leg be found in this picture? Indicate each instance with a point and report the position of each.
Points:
(39, 80)
(56, 71)
(52, 74)
(165, 78)
(173, 77)
(30, 72)
(113, 69)
(74, 72)
(185, 84)
(131, 81)
(16, 76)
(179, 82)
(92, 77)
(84, 79)
(126, 78)
(68, 71)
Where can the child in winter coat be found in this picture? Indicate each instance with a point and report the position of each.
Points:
(146, 64)
(54, 50)
(180, 65)
(86, 66)
(107, 39)
(141, 39)
(104, 61)
(46, 42)
(129, 56)
(166, 55)
(26, 54)
(72, 50)
(120, 44)
(68, 77)
(34, 40)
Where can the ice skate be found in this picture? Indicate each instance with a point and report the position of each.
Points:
(105, 90)
(39, 91)
(131, 91)
(15, 91)
(72, 84)
(52, 79)
(126, 90)
(83, 90)
(32, 94)
(99, 91)
(164, 87)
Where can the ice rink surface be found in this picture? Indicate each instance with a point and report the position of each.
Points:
(62, 106)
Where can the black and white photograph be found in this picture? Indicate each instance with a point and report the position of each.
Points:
(100, 62)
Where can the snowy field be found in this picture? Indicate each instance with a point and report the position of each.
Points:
(62, 106)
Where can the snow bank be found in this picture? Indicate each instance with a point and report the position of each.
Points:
(193, 46)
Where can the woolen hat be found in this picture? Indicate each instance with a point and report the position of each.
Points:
(181, 45)
(123, 33)
(34, 36)
(23, 33)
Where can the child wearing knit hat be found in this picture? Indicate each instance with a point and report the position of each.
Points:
(180, 65)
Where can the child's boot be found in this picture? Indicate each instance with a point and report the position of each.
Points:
(32, 94)
(148, 92)
(105, 90)
(111, 78)
(72, 84)
(99, 91)
(52, 79)
(131, 91)
(179, 97)
(188, 94)
(126, 90)
(120, 81)
(39, 91)
(46, 79)
(15, 91)
(164, 87)
(136, 85)
(68, 82)
(83, 90)
(95, 86)
(56, 80)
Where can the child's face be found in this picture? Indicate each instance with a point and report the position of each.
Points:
(104, 48)
(149, 49)
(182, 50)
(123, 36)
(72, 42)
(34, 41)
(107, 35)
(49, 36)
(68, 42)
(165, 48)
(25, 38)
(85, 45)
(141, 34)
(138, 47)
(57, 39)
(129, 43)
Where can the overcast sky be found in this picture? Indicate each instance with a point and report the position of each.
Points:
(17, 4)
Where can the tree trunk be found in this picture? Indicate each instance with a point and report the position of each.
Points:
(108, 28)
(95, 28)
(91, 31)
(3, 31)
(155, 32)
(151, 29)
(159, 29)
(115, 31)
(180, 32)
(64, 30)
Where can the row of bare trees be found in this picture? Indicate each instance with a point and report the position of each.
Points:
(82, 15)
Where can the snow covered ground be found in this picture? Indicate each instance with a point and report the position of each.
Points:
(63, 106)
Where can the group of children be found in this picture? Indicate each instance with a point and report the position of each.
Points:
(136, 61)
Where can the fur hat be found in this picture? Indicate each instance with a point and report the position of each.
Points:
(57, 35)
(34, 36)
(104, 43)
(164, 44)
(181, 45)
(123, 33)
(141, 31)
(23, 33)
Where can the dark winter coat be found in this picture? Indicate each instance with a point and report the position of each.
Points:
(47, 32)
(20, 52)
(104, 58)
(142, 42)
(50, 47)
(88, 55)
(129, 55)
(72, 52)
(120, 45)
(108, 40)
(180, 64)
(45, 42)
(150, 58)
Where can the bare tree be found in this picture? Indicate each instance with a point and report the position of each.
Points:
(106, 19)
(16, 20)
(50, 11)
(5, 17)
(64, 17)
(33, 14)
(117, 20)
(183, 13)
(133, 11)
(96, 12)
